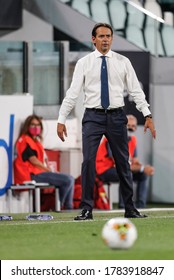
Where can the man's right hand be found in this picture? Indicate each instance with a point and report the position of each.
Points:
(61, 131)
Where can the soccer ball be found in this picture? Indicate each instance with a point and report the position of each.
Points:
(119, 233)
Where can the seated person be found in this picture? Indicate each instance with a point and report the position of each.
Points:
(107, 172)
(30, 163)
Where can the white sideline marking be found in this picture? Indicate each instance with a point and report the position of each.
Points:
(95, 220)
(72, 221)
(140, 210)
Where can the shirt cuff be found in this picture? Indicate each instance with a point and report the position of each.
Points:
(61, 119)
(142, 168)
(146, 112)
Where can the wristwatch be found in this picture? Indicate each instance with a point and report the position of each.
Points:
(148, 116)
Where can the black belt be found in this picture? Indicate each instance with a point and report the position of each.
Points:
(105, 111)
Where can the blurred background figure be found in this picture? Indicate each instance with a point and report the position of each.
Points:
(31, 162)
(106, 171)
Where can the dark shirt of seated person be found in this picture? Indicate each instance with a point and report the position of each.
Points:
(31, 164)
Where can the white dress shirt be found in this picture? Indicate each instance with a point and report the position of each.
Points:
(86, 81)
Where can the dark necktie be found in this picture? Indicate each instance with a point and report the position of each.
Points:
(104, 84)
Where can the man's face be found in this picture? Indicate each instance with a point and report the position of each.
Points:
(103, 39)
(131, 125)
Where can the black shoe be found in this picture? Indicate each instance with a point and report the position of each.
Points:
(84, 215)
(134, 214)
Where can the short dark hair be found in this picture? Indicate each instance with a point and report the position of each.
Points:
(101, 24)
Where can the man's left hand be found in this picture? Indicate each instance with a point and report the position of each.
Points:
(149, 124)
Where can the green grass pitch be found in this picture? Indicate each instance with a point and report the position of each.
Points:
(65, 239)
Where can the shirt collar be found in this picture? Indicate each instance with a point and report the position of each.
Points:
(98, 54)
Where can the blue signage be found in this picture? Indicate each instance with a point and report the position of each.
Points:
(9, 150)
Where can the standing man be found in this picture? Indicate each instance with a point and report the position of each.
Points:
(102, 76)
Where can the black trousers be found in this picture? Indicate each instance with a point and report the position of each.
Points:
(112, 124)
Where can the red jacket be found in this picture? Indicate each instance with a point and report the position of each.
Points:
(132, 145)
(104, 161)
(23, 169)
